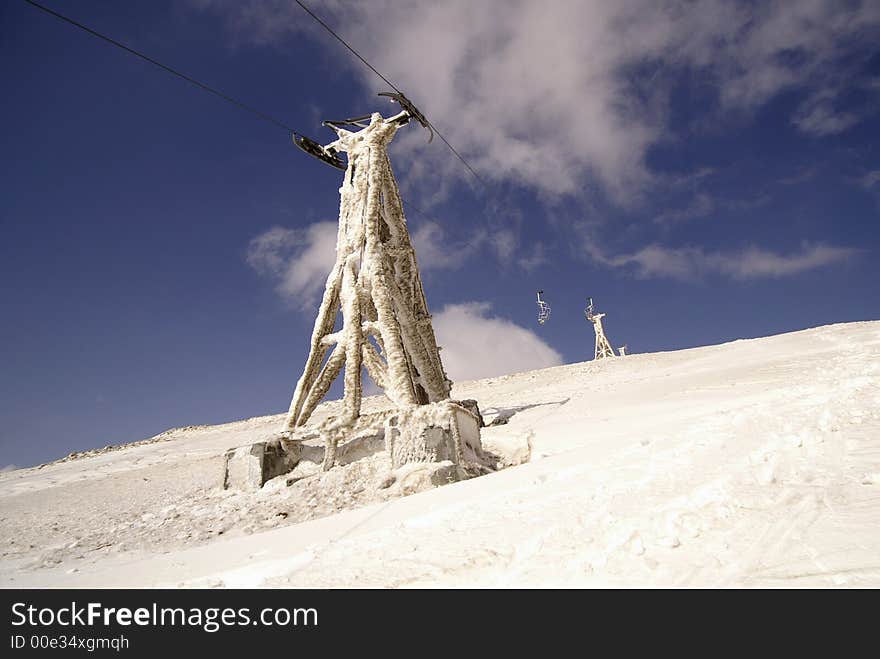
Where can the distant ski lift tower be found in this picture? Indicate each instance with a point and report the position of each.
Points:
(622, 350)
(375, 282)
(543, 309)
(603, 347)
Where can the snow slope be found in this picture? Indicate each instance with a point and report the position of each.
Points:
(754, 463)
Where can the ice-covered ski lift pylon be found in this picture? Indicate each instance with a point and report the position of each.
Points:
(375, 282)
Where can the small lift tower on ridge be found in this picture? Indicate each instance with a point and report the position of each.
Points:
(603, 346)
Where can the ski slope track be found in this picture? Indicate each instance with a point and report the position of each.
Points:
(755, 463)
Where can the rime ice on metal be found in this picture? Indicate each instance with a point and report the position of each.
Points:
(375, 282)
(603, 346)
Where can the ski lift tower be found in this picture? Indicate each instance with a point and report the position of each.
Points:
(386, 328)
(603, 346)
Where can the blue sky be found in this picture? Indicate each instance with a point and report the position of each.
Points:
(706, 172)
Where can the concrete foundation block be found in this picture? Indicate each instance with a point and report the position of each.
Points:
(437, 432)
(471, 405)
(249, 467)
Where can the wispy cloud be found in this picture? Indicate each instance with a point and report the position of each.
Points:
(819, 116)
(505, 243)
(477, 345)
(870, 180)
(802, 176)
(299, 260)
(752, 202)
(689, 179)
(694, 263)
(535, 258)
(700, 206)
(435, 249)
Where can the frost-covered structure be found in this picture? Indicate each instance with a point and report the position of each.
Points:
(375, 282)
(603, 345)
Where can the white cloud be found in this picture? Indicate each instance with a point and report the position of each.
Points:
(689, 179)
(559, 96)
(691, 263)
(818, 116)
(434, 250)
(700, 206)
(749, 203)
(870, 180)
(505, 243)
(537, 257)
(298, 259)
(755, 262)
(477, 345)
(802, 176)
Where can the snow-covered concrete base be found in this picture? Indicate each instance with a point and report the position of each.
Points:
(438, 432)
(249, 467)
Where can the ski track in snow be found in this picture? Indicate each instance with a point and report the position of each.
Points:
(754, 463)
